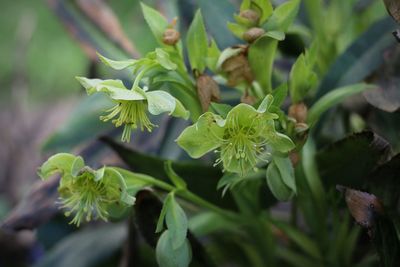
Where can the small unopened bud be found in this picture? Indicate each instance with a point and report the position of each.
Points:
(247, 99)
(207, 90)
(250, 15)
(298, 111)
(253, 34)
(238, 69)
(171, 36)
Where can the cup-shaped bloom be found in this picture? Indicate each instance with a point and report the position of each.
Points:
(240, 138)
(131, 106)
(84, 193)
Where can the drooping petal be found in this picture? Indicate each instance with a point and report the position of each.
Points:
(203, 136)
(59, 163)
(159, 102)
(114, 88)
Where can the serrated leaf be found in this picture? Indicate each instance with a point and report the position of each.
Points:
(197, 43)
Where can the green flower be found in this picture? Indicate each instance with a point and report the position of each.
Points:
(240, 139)
(131, 106)
(85, 193)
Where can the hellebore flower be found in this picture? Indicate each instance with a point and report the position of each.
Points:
(85, 193)
(131, 106)
(240, 139)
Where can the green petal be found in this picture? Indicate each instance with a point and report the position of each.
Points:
(117, 64)
(180, 110)
(59, 163)
(114, 178)
(243, 115)
(203, 136)
(114, 88)
(160, 102)
(277, 141)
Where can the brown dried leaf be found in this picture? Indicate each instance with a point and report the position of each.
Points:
(393, 7)
(364, 207)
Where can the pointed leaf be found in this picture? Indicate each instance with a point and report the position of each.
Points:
(177, 223)
(157, 23)
(169, 257)
(197, 43)
(117, 64)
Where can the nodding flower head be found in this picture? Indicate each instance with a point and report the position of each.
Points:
(132, 105)
(131, 114)
(241, 139)
(86, 194)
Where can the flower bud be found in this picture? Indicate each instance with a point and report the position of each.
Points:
(253, 34)
(250, 15)
(298, 111)
(207, 90)
(171, 37)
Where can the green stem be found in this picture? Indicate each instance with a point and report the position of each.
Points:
(146, 180)
(140, 75)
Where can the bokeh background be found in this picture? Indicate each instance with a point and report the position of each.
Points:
(45, 44)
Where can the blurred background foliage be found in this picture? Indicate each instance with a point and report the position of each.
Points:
(44, 45)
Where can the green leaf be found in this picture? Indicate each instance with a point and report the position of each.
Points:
(277, 35)
(333, 98)
(175, 178)
(362, 58)
(266, 9)
(301, 240)
(197, 43)
(115, 89)
(177, 223)
(275, 183)
(266, 104)
(164, 60)
(285, 168)
(167, 256)
(117, 64)
(280, 95)
(202, 137)
(261, 58)
(302, 79)
(159, 102)
(236, 29)
(157, 23)
(77, 166)
(58, 163)
(283, 16)
(213, 54)
(161, 218)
